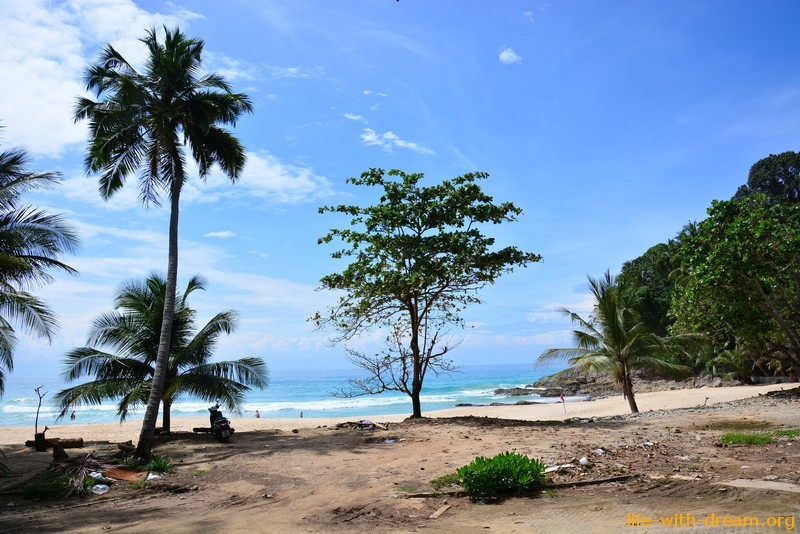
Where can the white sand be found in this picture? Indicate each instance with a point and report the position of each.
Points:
(616, 405)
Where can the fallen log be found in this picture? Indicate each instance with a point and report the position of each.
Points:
(70, 443)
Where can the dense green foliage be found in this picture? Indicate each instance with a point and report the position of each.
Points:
(740, 280)
(615, 341)
(648, 286)
(123, 343)
(418, 258)
(31, 241)
(508, 473)
(144, 123)
(776, 176)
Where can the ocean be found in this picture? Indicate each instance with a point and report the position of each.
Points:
(291, 392)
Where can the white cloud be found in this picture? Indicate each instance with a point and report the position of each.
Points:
(509, 57)
(357, 118)
(265, 177)
(390, 140)
(369, 92)
(44, 48)
(224, 234)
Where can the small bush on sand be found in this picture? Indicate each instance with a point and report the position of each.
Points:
(508, 473)
(160, 464)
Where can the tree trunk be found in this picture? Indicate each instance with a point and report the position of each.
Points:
(416, 381)
(166, 416)
(627, 389)
(145, 444)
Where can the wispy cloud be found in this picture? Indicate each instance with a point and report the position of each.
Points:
(369, 92)
(357, 118)
(508, 56)
(232, 69)
(294, 72)
(224, 234)
(390, 140)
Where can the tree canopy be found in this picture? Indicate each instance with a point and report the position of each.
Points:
(418, 257)
(122, 346)
(741, 276)
(614, 341)
(776, 176)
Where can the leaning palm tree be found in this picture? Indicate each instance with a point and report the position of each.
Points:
(122, 345)
(31, 240)
(615, 341)
(145, 122)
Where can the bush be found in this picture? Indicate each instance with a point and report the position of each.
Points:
(508, 473)
(160, 464)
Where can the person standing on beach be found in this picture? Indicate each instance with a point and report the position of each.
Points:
(258, 414)
(72, 415)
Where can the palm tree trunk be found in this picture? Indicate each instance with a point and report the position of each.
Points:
(166, 416)
(627, 390)
(145, 443)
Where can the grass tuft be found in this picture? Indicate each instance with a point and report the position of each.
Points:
(747, 438)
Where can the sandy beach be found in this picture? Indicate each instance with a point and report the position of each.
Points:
(614, 405)
(308, 475)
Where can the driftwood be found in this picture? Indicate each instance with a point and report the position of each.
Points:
(73, 443)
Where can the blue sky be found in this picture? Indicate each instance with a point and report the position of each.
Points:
(611, 124)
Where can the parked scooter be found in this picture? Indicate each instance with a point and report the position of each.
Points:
(220, 426)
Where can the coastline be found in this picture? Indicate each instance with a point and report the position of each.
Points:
(14, 436)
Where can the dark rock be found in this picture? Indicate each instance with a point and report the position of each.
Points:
(515, 392)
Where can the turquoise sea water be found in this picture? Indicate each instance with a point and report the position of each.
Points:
(292, 392)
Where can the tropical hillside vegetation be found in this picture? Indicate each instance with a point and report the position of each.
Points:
(733, 279)
(122, 346)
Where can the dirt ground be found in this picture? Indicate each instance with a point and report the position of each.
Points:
(349, 480)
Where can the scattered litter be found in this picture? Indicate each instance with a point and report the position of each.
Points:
(599, 452)
(98, 476)
(151, 476)
(684, 458)
(556, 468)
(388, 441)
(99, 489)
(584, 461)
(364, 424)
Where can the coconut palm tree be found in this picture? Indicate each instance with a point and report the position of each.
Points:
(31, 240)
(122, 345)
(145, 122)
(615, 341)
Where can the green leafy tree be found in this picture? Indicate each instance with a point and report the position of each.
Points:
(777, 176)
(615, 341)
(740, 278)
(418, 258)
(31, 241)
(646, 280)
(145, 122)
(122, 346)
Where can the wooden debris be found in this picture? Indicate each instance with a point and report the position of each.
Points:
(440, 511)
(72, 443)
